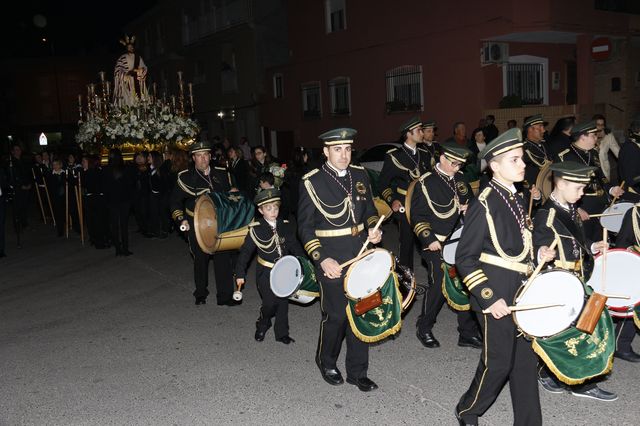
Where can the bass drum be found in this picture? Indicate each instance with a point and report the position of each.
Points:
(220, 220)
(544, 182)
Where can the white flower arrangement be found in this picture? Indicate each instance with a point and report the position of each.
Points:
(278, 173)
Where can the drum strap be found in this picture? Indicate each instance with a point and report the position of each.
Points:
(339, 232)
(491, 259)
(570, 266)
(265, 263)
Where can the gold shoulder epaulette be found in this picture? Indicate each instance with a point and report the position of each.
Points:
(285, 221)
(391, 150)
(484, 194)
(424, 176)
(311, 173)
(423, 150)
(356, 167)
(561, 154)
(252, 224)
(220, 168)
(184, 171)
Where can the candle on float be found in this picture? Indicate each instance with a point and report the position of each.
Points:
(101, 73)
(80, 101)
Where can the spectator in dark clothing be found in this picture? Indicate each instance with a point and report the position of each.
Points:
(141, 195)
(165, 171)
(157, 190)
(560, 137)
(490, 129)
(95, 207)
(299, 167)
(119, 184)
(239, 168)
(21, 180)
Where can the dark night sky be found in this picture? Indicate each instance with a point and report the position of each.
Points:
(75, 27)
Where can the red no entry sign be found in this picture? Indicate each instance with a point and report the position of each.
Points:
(600, 48)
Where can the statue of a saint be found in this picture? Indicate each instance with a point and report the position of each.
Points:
(129, 76)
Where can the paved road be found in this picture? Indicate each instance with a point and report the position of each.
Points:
(90, 339)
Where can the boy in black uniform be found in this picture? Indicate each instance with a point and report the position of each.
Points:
(558, 220)
(273, 238)
(438, 200)
(402, 166)
(428, 142)
(596, 194)
(629, 238)
(493, 257)
(536, 154)
(192, 183)
(335, 207)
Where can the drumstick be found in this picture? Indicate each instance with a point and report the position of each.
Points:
(605, 214)
(616, 296)
(528, 307)
(375, 228)
(531, 199)
(237, 295)
(535, 272)
(355, 259)
(616, 197)
(604, 258)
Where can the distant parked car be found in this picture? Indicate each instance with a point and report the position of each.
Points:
(373, 158)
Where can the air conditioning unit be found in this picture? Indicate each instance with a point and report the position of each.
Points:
(494, 53)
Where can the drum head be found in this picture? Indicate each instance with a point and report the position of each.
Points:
(368, 274)
(449, 249)
(206, 224)
(614, 223)
(286, 276)
(622, 272)
(407, 199)
(544, 181)
(554, 286)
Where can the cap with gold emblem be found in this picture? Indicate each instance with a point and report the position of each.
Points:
(455, 152)
(584, 128)
(511, 139)
(411, 124)
(267, 196)
(429, 123)
(343, 135)
(573, 171)
(532, 120)
(199, 147)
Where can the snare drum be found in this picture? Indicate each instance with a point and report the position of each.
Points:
(622, 272)
(450, 246)
(367, 276)
(551, 286)
(614, 222)
(294, 277)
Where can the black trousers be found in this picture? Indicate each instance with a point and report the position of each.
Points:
(3, 217)
(504, 357)
(21, 206)
(58, 213)
(434, 299)
(335, 327)
(272, 305)
(625, 332)
(223, 267)
(407, 240)
(154, 224)
(97, 219)
(141, 211)
(119, 224)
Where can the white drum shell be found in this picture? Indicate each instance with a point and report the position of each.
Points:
(368, 275)
(622, 275)
(286, 276)
(449, 250)
(554, 286)
(614, 223)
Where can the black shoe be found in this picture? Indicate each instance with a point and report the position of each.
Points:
(427, 339)
(286, 340)
(595, 393)
(363, 383)
(550, 385)
(630, 356)
(259, 336)
(332, 376)
(470, 342)
(201, 300)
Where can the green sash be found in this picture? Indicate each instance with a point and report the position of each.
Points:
(374, 179)
(636, 315)
(233, 210)
(309, 286)
(574, 356)
(382, 321)
(453, 289)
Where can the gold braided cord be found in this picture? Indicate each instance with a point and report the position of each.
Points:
(264, 245)
(550, 218)
(532, 155)
(346, 206)
(431, 204)
(528, 244)
(414, 173)
(636, 228)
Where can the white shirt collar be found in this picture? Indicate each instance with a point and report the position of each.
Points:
(442, 172)
(340, 173)
(271, 223)
(510, 187)
(413, 150)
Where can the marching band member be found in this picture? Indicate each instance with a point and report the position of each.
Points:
(595, 199)
(402, 166)
(570, 180)
(439, 198)
(193, 182)
(272, 238)
(335, 207)
(428, 142)
(629, 158)
(536, 154)
(629, 238)
(493, 257)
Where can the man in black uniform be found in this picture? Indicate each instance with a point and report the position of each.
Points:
(596, 194)
(402, 166)
(536, 154)
(428, 142)
(335, 207)
(629, 158)
(438, 200)
(192, 183)
(493, 257)
(558, 220)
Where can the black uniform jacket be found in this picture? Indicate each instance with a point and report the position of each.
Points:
(399, 169)
(190, 185)
(629, 235)
(496, 225)
(434, 210)
(325, 225)
(629, 164)
(261, 238)
(535, 156)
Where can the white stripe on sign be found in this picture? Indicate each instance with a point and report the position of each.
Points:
(597, 49)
